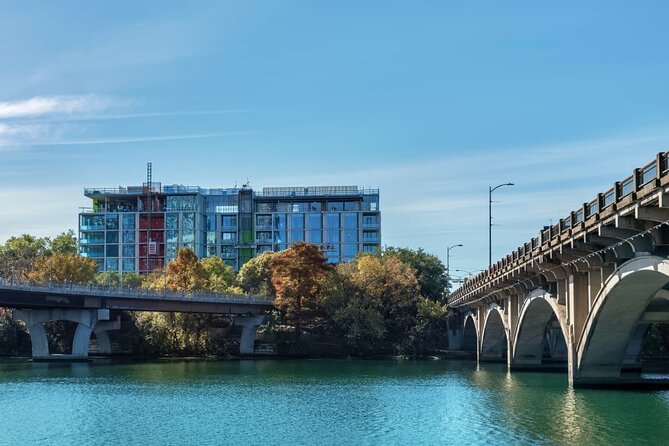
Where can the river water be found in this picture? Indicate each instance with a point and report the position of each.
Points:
(315, 403)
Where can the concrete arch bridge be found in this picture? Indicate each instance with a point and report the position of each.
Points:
(583, 293)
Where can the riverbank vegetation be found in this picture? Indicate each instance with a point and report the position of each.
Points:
(385, 303)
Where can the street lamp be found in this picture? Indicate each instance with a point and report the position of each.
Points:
(490, 191)
(448, 260)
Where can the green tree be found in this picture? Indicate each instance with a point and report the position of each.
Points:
(19, 254)
(351, 313)
(64, 243)
(430, 271)
(220, 278)
(108, 278)
(297, 274)
(132, 280)
(255, 276)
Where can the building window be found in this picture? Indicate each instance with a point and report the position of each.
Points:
(211, 222)
(280, 222)
(188, 237)
(211, 250)
(188, 220)
(171, 221)
(335, 206)
(315, 236)
(87, 238)
(228, 251)
(182, 203)
(229, 221)
(370, 236)
(170, 251)
(111, 265)
(92, 222)
(315, 221)
(280, 237)
(263, 222)
(297, 221)
(350, 236)
(211, 237)
(112, 221)
(350, 220)
(112, 250)
(296, 235)
(228, 237)
(129, 221)
(332, 221)
(264, 237)
(112, 237)
(332, 237)
(128, 265)
(128, 250)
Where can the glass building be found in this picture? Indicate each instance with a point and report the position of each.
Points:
(140, 228)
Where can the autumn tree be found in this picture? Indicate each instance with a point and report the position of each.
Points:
(255, 276)
(297, 275)
(64, 268)
(184, 273)
(372, 301)
(430, 271)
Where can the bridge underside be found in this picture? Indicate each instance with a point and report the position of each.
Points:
(595, 331)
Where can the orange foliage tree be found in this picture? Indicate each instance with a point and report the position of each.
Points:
(297, 275)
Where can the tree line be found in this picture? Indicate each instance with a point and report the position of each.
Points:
(391, 302)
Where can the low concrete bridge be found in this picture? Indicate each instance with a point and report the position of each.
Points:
(90, 308)
(582, 293)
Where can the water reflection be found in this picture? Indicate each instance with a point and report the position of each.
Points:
(324, 402)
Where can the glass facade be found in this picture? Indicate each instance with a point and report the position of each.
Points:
(127, 231)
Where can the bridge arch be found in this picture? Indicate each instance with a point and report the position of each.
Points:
(541, 329)
(470, 337)
(612, 324)
(494, 339)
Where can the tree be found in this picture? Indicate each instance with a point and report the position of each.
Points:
(184, 273)
(220, 278)
(64, 243)
(132, 280)
(19, 254)
(64, 268)
(297, 275)
(430, 271)
(108, 278)
(351, 313)
(255, 276)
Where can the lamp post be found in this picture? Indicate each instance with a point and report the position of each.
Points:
(490, 191)
(448, 261)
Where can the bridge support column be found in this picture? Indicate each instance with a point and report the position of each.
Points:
(85, 319)
(101, 329)
(249, 326)
(578, 306)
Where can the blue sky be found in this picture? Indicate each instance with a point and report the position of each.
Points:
(430, 101)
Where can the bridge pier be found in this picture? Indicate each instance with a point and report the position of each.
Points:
(249, 326)
(86, 320)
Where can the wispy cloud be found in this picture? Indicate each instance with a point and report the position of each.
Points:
(53, 105)
(61, 121)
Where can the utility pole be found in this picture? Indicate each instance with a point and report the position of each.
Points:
(490, 191)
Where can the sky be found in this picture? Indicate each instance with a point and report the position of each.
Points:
(430, 101)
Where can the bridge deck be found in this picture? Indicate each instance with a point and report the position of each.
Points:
(32, 296)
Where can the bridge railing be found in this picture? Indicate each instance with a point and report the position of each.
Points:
(641, 182)
(139, 293)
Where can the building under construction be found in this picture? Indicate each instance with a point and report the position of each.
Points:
(140, 228)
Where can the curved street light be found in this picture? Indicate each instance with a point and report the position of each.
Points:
(490, 191)
(448, 261)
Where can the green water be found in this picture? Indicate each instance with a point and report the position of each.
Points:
(315, 403)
